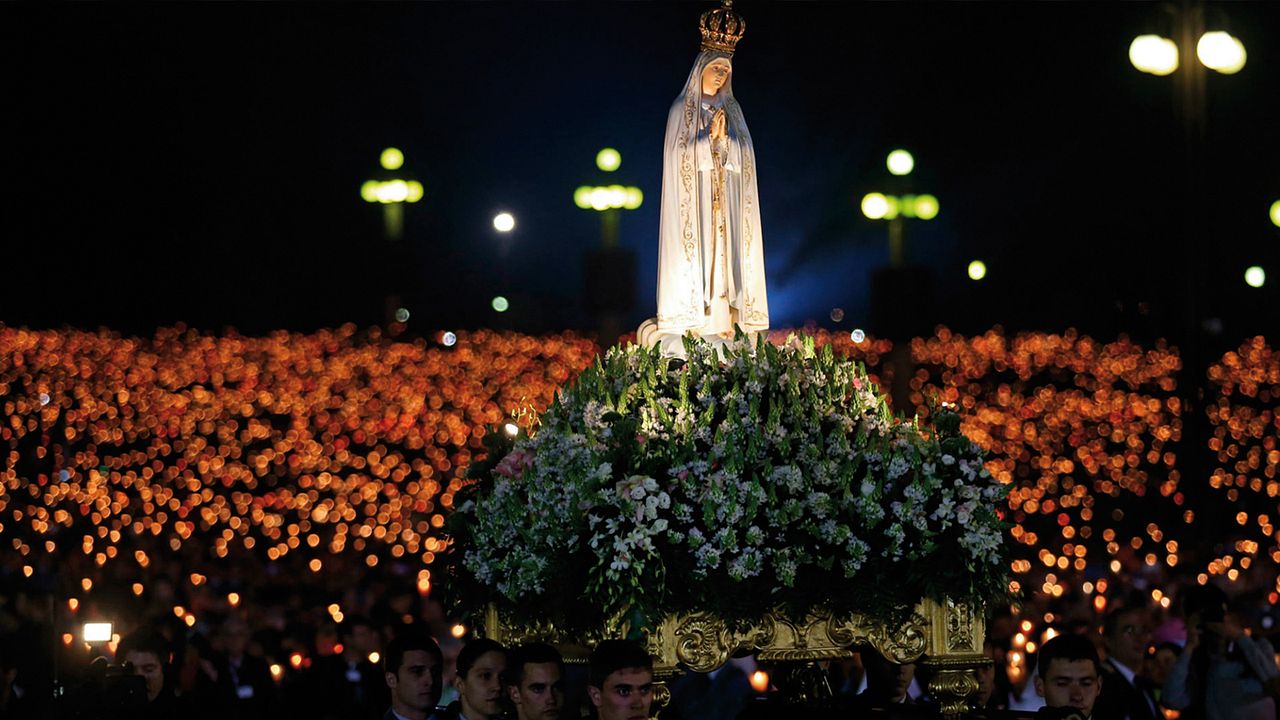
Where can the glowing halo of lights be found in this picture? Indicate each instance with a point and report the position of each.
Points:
(500, 304)
(391, 159)
(1275, 213)
(900, 162)
(1154, 54)
(1255, 276)
(977, 270)
(1222, 52)
(858, 336)
(582, 197)
(608, 159)
(504, 222)
(448, 339)
(402, 315)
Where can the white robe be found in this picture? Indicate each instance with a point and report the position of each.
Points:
(688, 296)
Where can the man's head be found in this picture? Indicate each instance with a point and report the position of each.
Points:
(479, 678)
(148, 653)
(359, 636)
(888, 681)
(621, 680)
(412, 668)
(1127, 635)
(534, 681)
(1067, 673)
(233, 637)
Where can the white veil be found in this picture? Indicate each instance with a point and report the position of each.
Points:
(680, 265)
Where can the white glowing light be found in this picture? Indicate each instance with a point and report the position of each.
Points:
(44, 398)
(608, 160)
(875, 205)
(1154, 54)
(1255, 277)
(511, 429)
(900, 162)
(504, 222)
(97, 632)
(1221, 51)
(448, 339)
(402, 315)
(392, 159)
(500, 304)
(857, 335)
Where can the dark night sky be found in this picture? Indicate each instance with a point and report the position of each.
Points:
(201, 162)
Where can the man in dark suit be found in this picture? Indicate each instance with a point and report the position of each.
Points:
(1125, 695)
(412, 669)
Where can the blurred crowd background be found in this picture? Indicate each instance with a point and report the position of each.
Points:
(282, 498)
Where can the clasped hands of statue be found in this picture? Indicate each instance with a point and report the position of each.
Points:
(719, 125)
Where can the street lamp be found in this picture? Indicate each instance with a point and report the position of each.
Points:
(609, 271)
(391, 189)
(392, 192)
(898, 208)
(608, 199)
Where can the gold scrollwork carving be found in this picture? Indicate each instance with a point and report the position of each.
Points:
(703, 642)
(661, 697)
(959, 626)
(954, 680)
(760, 635)
(903, 644)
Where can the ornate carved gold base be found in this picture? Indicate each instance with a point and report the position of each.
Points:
(945, 637)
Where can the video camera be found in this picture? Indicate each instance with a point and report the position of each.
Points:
(107, 691)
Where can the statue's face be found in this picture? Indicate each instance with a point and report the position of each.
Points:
(714, 77)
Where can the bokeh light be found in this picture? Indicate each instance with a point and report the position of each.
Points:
(900, 162)
(926, 207)
(391, 159)
(1221, 51)
(504, 222)
(1154, 54)
(1255, 276)
(977, 270)
(608, 159)
(500, 304)
(875, 206)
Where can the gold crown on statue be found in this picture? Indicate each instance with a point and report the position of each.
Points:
(722, 28)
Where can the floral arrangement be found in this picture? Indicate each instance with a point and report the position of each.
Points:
(734, 482)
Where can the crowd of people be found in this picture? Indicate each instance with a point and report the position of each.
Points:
(287, 494)
(1209, 655)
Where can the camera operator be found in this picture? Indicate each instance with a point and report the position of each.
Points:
(146, 654)
(1222, 671)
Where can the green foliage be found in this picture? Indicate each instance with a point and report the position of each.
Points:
(735, 483)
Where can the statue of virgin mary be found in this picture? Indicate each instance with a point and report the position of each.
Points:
(710, 259)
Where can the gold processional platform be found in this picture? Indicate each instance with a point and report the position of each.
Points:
(944, 638)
